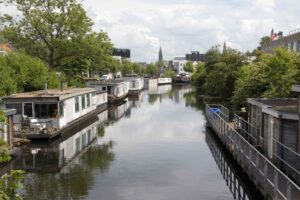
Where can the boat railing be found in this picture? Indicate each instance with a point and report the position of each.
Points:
(27, 127)
(266, 175)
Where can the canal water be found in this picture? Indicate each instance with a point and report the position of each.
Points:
(151, 147)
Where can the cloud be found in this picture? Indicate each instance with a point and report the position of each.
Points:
(180, 26)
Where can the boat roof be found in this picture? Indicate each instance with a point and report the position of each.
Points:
(51, 93)
(278, 107)
(106, 82)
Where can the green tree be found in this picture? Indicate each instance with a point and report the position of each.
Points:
(24, 73)
(264, 40)
(189, 67)
(220, 72)
(59, 33)
(126, 68)
(170, 73)
(199, 77)
(269, 76)
(152, 70)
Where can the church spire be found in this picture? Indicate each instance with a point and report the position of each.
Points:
(224, 47)
(160, 55)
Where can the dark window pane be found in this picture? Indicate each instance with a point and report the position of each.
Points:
(17, 106)
(83, 102)
(28, 109)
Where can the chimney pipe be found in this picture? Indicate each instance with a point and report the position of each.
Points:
(46, 87)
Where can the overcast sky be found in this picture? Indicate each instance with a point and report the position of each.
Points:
(182, 26)
(186, 25)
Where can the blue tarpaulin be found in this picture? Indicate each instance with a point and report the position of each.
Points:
(216, 110)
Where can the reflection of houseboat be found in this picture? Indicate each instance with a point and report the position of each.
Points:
(278, 131)
(118, 111)
(47, 113)
(51, 157)
(116, 89)
(164, 80)
(136, 100)
(136, 84)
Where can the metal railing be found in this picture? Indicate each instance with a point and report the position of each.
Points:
(24, 128)
(266, 176)
(248, 131)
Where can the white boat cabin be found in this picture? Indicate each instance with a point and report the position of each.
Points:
(136, 84)
(164, 80)
(116, 89)
(51, 110)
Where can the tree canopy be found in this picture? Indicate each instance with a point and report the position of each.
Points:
(60, 34)
(23, 73)
(189, 67)
(269, 76)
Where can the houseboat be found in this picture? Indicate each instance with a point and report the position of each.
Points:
(62, 150)
(277, 122)
(183, 79)
(164, 80)
(116, 89)
(136, 85)
(46, 114)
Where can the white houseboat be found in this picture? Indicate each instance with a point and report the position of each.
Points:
(47, 113)
(136, 85)
(164, 80)
(116, 89)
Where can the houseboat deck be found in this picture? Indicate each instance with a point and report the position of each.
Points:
(39, 135)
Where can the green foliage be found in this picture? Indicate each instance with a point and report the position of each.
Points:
(199, 77)
(60, 34)
(170, 73)
(269, 76)
(22, 73)
(263, 40)
(188, 67)
(126, 68)
(218, 75)
(152, 70)
(10, 184)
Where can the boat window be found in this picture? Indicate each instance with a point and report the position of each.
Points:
(17, 106)
(76, 104)
(43, 110)
(88, 100)
(103, 88)
(61, 109)
(83, 102)
(28, 109)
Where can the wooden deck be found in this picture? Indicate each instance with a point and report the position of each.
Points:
(270, 180)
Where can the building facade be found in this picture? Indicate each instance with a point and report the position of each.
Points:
(291, 42)
(195, 56)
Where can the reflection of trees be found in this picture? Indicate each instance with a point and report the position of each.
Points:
(74, 181)
(152, 98)
(100, 131)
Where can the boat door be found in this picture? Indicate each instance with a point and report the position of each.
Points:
(270, 136)
(109, 90)
(28, 109)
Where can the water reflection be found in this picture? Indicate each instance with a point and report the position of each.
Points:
(50, 157)
(122, 109)
(159, 151)
(240, 185)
